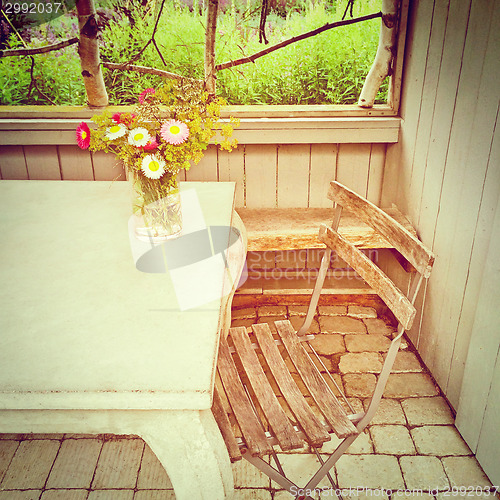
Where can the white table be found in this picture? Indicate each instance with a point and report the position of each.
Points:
(89, 344)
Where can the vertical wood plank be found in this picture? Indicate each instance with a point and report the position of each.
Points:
(443, 177)
(323, 171)
(107, 167)
(427, 108)
(293, 175)
(483, 354)
(76, 164)
(232, 168)
(376, 173)
(466, 169)
(353, 165)
(207, 169)
(13, 163)
(260, 173)
(42, 162)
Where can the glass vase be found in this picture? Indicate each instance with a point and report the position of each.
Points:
(157, 210)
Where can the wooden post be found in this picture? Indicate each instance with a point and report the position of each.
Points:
(213, 6)
(386, 46)
(88, 49)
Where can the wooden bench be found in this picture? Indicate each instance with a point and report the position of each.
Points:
(275, 229)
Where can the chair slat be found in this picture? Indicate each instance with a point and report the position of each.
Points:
(315, 431)
(315, 383)
(222, 420)
(404, 242)
(250, 425)
(278, 420)
(397, 302)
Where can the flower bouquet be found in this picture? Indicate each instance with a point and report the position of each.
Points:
(168, 132)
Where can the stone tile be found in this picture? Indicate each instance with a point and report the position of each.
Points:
(360, 362)
(247, 323)
(65, 495)
(406, 362)
(392, 440)
(430, 411)
(84, 436)
(33, 435)
(298, 310)
(272, 311)
(341, 324)
(362, 343)
(473, 491)
(377, 326)
(439, 440)
(75, 464)
(362, 312)
(389, 412)
(7, 450)
(369, 471)
(465, 471)
(118, 464)
(152, 474)
(11, 437)
(425, 473)
(408, 385)
(252, 494)
(300, 468)
(285, 495)
(297, 321)
(359, 385)
(362, 494)
(361, 446)
(155, 495)
(247, 476)
(111, 495)
(332, 310)
(30, 465)
(20, 495)
(328, 344)
(246, 313)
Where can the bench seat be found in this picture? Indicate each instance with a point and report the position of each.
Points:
(279, 229)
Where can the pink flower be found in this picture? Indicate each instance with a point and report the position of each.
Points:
(83, 135)
(124, 118)
(174, 132)
(143, 95)
(152, 144)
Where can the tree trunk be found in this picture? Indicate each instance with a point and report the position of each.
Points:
(210, 46)
(88, 49)
(382, 63)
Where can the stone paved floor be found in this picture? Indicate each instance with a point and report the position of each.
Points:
(411, 444)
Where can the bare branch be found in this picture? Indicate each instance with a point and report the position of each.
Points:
(294, 39)
(147, 70)
(39, 50)
(33, 83)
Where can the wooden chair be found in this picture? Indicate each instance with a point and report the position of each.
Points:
(258, 403)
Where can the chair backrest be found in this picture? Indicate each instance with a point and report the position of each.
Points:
(398, 237)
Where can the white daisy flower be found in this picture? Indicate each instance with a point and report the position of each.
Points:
(138, 137)
(153, 166)
(116, 131)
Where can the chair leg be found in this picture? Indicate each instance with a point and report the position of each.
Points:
(271, 472)
(330, 462)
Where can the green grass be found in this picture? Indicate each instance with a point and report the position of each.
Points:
(326, 69)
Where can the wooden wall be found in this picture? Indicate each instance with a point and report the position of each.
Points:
(444, 173)
(278, 163)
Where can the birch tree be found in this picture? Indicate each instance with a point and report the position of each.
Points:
(88, 49)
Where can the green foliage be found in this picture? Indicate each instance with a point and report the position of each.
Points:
(329, 68)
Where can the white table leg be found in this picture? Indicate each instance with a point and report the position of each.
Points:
(190, 447)
(187, 442)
